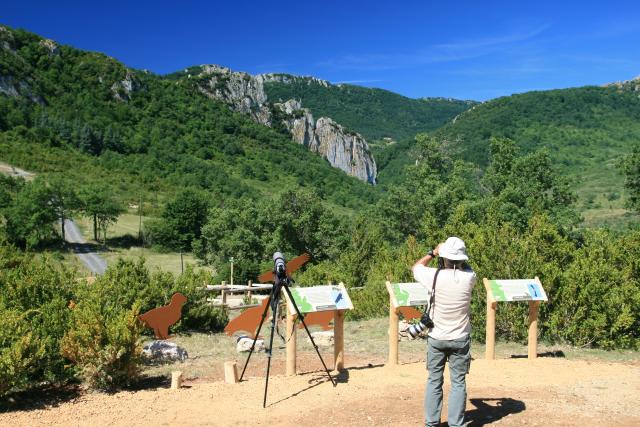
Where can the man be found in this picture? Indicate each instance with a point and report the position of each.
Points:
(449, 339)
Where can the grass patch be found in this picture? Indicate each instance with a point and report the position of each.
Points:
(365, 339)
(122, 242)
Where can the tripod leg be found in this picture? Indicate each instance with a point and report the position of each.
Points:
(274, 319)
(264, 314)
(301, 317)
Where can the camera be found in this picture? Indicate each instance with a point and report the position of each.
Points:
(424, 323)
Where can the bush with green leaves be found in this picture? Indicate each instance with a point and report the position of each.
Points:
(599, 301)
(35, 292)
(20, 351)
(104, 339)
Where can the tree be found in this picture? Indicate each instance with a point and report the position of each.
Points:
(31, 214)
(98, 203)
(522, 186)
(631, 168)
(65, 200)
(185, 216)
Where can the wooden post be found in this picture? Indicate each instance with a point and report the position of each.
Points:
(533, 329)
(249, 292)
(393, 332)
(176, 380)
(490, 337)
(338, 340)
(223, 294)
(230, 372)
(291, 343)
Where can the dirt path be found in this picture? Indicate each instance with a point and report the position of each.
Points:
(543, 392)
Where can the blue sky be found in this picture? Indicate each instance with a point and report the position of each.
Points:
(464, 49)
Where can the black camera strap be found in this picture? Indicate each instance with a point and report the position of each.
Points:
(432, 299)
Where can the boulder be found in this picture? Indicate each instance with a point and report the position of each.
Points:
(244, 344)
(158, 351)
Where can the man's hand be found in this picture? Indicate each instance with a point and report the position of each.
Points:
(436, 251)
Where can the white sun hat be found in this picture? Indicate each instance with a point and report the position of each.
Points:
(454, 249)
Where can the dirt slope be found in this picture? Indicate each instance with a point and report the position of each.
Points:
(543, 392)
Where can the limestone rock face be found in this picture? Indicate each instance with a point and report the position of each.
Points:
(9, 86)
(122, 89)
(241, 91)
(632, 85)
(51, 46)
(287, 78)
(347, 151)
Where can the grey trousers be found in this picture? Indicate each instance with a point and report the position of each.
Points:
(458, 353)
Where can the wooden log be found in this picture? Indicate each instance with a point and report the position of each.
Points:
(338, 340)
(393, 333)
(490, 337)
(176, 380)
(223, 294)
(230, 372)
(291, 343)
(533, 329)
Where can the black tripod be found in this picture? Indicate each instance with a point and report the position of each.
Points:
(281, 281)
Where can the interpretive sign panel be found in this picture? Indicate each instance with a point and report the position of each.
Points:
(408, 294)
(320, 298)
(517, 290)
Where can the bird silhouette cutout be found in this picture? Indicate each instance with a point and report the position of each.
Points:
(293, 265)
(159, 319)
(409, 313)
(320, 318)
(247, 321)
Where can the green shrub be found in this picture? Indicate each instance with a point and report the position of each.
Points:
(599, 303)
(34, 294)
(104, 338)
(20, 351)
(197, 314)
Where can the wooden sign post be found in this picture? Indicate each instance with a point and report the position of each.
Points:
(319, 304)
(530, 290)
(402, 297)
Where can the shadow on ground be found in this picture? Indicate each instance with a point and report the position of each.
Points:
(48, 397)
(41, 398)
(557, 353)
(486, 413)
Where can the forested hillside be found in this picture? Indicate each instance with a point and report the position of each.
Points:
(586, 130)
(389, 121)
(91, 117)
(375, 113)
(99, 135)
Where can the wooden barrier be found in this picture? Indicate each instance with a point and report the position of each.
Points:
(226, 290)
(530, 290)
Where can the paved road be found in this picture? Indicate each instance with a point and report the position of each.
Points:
(91, 259)
(83, 250)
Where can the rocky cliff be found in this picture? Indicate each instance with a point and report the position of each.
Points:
(347, 151)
